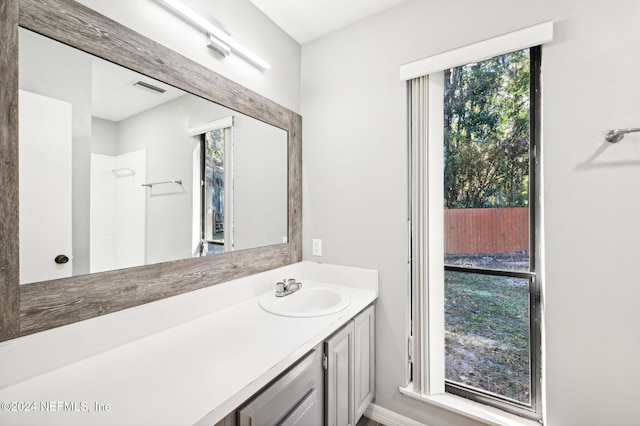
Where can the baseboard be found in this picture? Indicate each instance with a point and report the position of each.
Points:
(388, 417)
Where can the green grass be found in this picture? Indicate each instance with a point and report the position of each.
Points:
(487, 333)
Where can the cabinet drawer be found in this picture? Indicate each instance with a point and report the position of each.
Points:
(306, 413)
(276, 402)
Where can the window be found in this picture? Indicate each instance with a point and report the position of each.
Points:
(214, 181)
(491, 295)
(474, 151)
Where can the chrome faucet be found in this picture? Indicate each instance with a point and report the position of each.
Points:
(286, 287)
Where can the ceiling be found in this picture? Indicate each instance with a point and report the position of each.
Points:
(306, 20)
(113, 94)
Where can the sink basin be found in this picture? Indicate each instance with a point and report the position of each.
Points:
(306, 302)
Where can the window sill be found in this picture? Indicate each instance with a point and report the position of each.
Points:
(483, 413)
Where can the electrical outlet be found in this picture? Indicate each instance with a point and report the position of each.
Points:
(317, 247)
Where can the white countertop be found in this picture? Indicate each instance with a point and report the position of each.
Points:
(193, 373)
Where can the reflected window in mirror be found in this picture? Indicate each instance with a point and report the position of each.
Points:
(216, 188)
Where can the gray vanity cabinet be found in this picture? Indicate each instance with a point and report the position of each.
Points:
(331, 385)
(349, 376)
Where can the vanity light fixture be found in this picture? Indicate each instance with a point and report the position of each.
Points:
(216, 45)
(218, 40)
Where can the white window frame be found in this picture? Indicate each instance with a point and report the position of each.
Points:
(427, 351)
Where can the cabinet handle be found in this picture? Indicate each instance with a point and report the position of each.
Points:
(61, 258)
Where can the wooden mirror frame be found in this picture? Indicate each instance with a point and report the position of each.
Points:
(40, 306)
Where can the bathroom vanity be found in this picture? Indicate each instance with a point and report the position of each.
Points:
(176, 339)
(209, 366)
(332, 385)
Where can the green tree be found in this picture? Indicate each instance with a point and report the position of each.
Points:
(486, 133)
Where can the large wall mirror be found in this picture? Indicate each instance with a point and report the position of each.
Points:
(120, 170)
(141, 174)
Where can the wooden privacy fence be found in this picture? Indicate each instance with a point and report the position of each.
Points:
(500, 230)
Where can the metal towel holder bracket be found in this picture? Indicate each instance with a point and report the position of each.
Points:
(151, 184)
(616, 135)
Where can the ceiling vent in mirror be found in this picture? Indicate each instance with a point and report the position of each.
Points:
(149, 87)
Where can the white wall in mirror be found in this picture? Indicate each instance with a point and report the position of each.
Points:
(257, 169)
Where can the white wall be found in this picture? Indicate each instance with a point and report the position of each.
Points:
(241, 19)
(104, 137)
(260, 195)
(355, 180)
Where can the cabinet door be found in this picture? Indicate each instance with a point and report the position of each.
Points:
(364, 365)
(339, 378)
